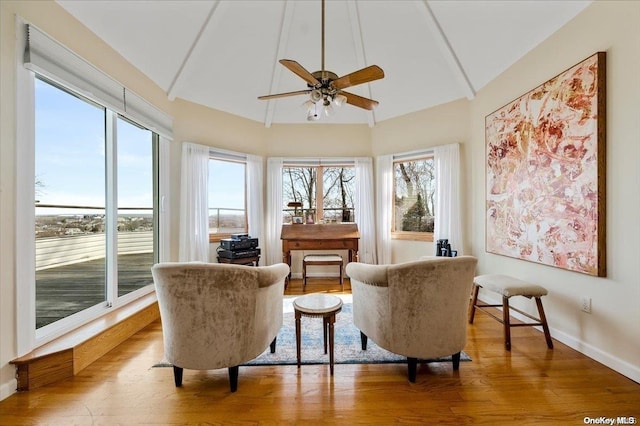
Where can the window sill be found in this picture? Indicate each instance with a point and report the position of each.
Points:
(412, 236)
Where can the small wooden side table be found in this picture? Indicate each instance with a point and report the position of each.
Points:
(319, 306)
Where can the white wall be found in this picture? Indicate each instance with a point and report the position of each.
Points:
(611, 333)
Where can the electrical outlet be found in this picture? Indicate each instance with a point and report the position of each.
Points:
(585, 304)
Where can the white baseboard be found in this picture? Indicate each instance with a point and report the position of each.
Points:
(621, 366)
(8, 389)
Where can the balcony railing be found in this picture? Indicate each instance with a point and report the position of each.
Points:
(70, 257)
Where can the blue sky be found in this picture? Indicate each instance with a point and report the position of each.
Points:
(70, 153)
(70, 158)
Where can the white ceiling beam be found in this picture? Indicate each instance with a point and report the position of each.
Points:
(175, 83)
(285, 31)
(447, 50)
(361, 60)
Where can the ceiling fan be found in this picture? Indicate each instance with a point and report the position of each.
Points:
(327, 87)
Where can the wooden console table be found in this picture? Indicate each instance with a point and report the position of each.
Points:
(334, 236)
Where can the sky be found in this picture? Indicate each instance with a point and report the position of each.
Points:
(70, 154)
(70, 159)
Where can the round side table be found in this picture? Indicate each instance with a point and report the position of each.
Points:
(319, 306)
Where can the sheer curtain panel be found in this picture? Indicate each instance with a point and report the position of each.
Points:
(384, 203)
(447, 205)
(194, 207)
(255, 203)
(273, 246)
(364, 207)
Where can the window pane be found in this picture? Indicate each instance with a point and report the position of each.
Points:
(298, 186)
(226, 197)
(70, 201)
(414, 192)
(338, 185)
(135, 207)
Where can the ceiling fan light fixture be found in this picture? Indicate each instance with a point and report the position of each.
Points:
(339, 100)
(328, 110)
(308, 105)
(316, 95)
(312, 114)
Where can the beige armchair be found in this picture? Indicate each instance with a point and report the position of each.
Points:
(415, 309)
(218, 315)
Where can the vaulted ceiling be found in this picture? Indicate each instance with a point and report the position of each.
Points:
(224, 54)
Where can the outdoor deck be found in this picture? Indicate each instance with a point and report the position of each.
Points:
(64, 290)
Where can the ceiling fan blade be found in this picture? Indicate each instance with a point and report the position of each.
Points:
(300, 71)
(282, 95)
(359, 101)
(365, 75)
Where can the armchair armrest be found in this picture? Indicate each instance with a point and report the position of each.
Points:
(272, 274)
(369, 274)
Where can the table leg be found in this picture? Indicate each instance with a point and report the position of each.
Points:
(332, 320)
(298, 315)
(325, 323)
(287, 260)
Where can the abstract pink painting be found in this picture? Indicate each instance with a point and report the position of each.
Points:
(545, 182)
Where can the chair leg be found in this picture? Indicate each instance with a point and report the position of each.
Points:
(474, 302)
(272, 346)
(507, 323)
(233, 378)
(543, 320)
(177, 375)
(455, 358)
(363, 341)
(413, 368)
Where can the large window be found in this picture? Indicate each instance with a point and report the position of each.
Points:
(323, 194)
(227, 198)
(414, 195)
(95, 209)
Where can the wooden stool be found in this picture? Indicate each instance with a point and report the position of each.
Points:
(320, 259)
(508, 287)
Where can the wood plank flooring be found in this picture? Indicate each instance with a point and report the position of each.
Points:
(531, 385)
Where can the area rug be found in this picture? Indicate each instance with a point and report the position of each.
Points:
(347, 347)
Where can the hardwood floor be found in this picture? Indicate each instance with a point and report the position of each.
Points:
(529, 385)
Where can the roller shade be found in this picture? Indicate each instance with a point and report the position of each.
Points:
(50, 59)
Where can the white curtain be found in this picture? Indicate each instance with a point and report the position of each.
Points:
(364, 204)
(194, 208)
(384, 202)
(255, 203)
(447, 204)
(273, 244)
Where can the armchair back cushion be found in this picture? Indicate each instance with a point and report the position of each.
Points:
(218, 315)
(416, 309)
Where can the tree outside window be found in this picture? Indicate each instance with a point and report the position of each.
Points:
(326, 193)
(414, 194)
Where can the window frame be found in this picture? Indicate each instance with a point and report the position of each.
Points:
(111, 282)
(408, 235)
(231, 157)
(319, 187)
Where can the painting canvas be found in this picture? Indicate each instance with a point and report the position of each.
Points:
(545, 172)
